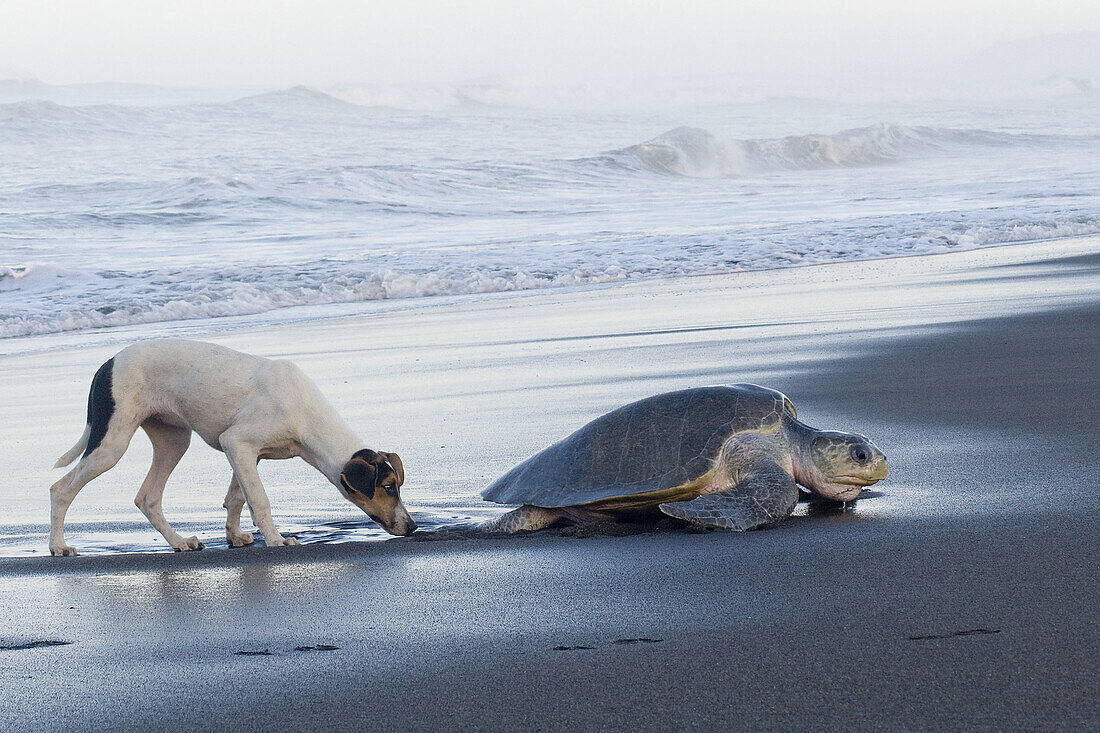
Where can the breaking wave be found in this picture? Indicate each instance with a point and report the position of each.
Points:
(696, 153)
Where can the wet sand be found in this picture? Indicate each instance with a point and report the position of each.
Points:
(963, 595)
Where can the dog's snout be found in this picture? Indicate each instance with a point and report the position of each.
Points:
(410, 527)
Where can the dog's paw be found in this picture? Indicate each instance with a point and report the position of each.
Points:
(62, 551)
(291, 542)
(187, 544)
(239, 539)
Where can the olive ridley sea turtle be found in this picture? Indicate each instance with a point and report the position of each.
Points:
(725, 457)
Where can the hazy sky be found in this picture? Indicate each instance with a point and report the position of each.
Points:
(324, 42)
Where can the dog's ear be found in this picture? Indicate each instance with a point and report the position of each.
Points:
(395, 461)
(368, 455)
(373, 460)
(360, 473)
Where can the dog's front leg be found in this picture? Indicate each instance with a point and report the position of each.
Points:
(234, 502)
(242, 457)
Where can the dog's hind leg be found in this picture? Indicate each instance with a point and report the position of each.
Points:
(100, 459)
(169, 445)
(61, 496)
(234, 503)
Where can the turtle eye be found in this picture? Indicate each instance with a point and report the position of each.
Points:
(860, 454)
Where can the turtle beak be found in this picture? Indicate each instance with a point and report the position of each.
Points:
(879, 468)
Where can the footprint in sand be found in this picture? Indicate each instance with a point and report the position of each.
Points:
(33, 644)
(952, 634)
(631, 640)
(304, 648)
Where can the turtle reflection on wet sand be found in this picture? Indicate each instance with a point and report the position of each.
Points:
(721, 457)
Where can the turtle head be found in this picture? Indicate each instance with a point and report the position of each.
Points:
(372, 481)
(838, 465)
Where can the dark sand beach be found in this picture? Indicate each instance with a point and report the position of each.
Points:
(962, 595)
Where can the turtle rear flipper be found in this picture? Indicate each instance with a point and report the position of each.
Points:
(766, 495)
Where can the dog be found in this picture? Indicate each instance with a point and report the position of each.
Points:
(246, 406)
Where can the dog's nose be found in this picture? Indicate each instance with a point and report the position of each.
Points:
(410, 527)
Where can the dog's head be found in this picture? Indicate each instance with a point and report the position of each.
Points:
(372, 481)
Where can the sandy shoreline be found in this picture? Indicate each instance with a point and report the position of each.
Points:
(962, 596)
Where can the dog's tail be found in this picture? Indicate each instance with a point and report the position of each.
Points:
(76, 450)
(101, 405)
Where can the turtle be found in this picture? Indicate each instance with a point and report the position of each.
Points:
(728, 457)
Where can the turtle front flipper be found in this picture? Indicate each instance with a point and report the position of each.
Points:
(766, 495)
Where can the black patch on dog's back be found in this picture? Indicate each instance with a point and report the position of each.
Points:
(101, 405)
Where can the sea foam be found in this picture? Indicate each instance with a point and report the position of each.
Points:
(59, 299)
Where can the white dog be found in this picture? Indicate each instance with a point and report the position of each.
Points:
(247, 406)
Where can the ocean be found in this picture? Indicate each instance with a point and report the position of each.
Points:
(148, 210)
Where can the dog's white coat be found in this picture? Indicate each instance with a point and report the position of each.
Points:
(247, 406)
